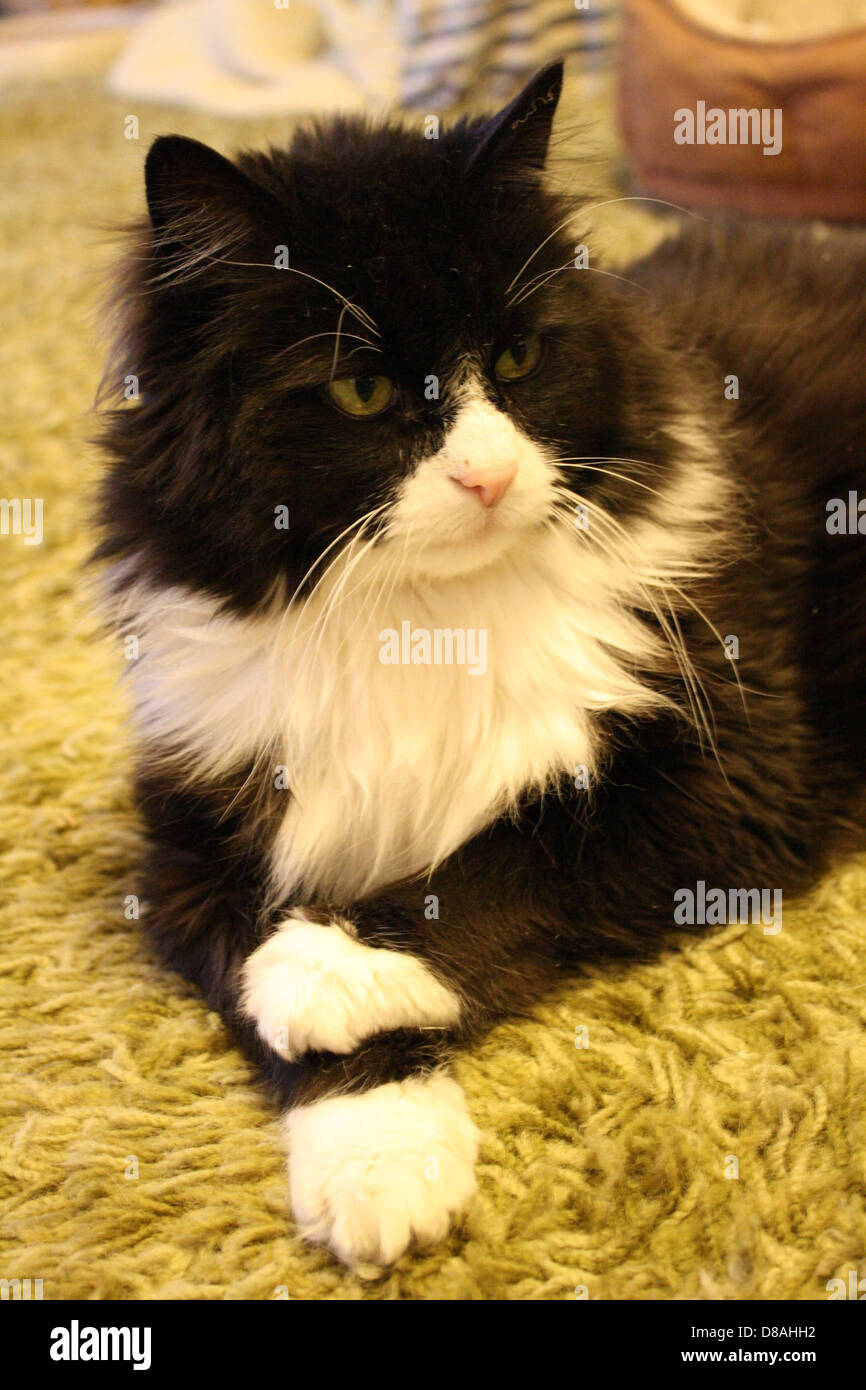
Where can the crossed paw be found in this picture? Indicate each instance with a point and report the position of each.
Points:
(373, 1172)
(315, 988)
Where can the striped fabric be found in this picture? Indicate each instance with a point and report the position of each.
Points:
(455, 47)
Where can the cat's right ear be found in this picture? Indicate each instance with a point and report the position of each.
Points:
(200, 204)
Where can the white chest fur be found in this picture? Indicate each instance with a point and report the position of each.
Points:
(392, 766)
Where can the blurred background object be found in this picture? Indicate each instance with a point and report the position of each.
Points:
(774, 19)
(255, 57)
(52, 39)
(250, 56)
(799, 67)
(43, 6)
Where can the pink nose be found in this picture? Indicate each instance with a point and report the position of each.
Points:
(491, 484)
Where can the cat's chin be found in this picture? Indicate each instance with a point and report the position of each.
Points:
(456, 558)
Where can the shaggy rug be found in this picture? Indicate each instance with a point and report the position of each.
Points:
(707, 1142)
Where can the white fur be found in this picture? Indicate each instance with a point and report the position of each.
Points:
(371, 1174)
(312, 987)
(444, 531)
(392, 767)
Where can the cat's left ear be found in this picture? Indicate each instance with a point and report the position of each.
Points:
(516, 138)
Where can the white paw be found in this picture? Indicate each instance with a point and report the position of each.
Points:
(313, 988)
(371, 1173)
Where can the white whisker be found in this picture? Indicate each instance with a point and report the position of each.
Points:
(582, 212)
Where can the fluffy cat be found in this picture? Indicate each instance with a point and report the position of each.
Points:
(476, 624)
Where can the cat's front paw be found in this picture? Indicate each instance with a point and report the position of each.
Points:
(374, 1173)
(316, 988)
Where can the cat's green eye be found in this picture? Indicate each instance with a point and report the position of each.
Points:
(520, 359)
(361, 395)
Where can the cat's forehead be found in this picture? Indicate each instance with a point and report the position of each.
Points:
(395, 213)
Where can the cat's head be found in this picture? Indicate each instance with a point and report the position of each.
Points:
(377, 335)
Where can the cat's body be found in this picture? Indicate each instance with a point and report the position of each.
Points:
(365, 861)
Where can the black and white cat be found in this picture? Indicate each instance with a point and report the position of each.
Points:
(475, 622)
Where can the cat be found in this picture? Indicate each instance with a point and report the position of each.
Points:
(380, 407)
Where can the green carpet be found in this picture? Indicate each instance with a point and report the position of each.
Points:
(138, 1159)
